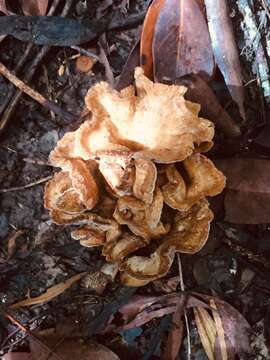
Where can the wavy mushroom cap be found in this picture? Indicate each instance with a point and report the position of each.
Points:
(188, 235)
(202, 179)
(156, 121)
(141, 218)
(143, 144)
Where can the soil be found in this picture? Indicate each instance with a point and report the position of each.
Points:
(44, 254)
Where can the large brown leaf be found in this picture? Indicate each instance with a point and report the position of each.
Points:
(235, 328)
(175, 336)
(146, 57)
(126, 77)
(247, 198)
(181, 43)
(200, 92)
(225, 50)
(34, 7)
(3, 7)
(53, 348)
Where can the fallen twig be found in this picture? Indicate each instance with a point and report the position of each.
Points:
(27, 186)
(32, 67)
(89, 53)
(105, 62)
(182, 287)
(36, 162)
(30, 334)
(35, 95)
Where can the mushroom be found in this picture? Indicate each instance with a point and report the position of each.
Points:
(137, 150)
(141, 218)
(157, 121)
(202, 179)
(188, 235)
(145, 180)
(75, 186)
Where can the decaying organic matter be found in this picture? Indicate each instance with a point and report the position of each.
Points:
(133, 178)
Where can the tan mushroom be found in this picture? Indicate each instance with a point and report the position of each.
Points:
(59, 194)
(138, 149)
(73, 190)
(145, 180)
(118, 171)
(202, 179)
(157, 121)
(88, 236)
(189, 234)
(141, 218)
(119, 249)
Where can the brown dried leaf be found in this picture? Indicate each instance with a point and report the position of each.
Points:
(235, 326)
(225, 49)
(181, 44)
(220, 330)
(12, 242)
(146, 56)
(207, 330)
(17, 356)
(200, 92)
(34, 7)
(3, 7)
(50, 293)
(175, 337)
(126, 77)
(69, 349)
(135, 305)
(247, 199)
(145, 316)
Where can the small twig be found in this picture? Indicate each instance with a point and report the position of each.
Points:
(27, 186)
(30, 334)
(266, 8)
(182, 287)
(105, 61)
(32, 67)
(49, 90)
(89, 53)
(37, 162)
(35, 95)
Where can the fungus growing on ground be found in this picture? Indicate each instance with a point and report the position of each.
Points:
(136, 156)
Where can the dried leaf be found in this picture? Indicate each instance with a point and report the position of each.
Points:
(235, 326)
(200, 92)
(263, 137)
(247, 199)
(136, 304)
(220, 331)
(69, 349)
(181, 44)
(207, 330)
(166, 285)
(34, 7)
(225, 49)
(12, 242)
(145, 316)
(50, 293)
(17, 356)
(3, 7)
(146, 56)
(126, 77)
(175, 337)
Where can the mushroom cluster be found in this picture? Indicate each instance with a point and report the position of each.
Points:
(134, 180)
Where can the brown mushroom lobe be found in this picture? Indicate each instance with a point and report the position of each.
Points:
(113, 186)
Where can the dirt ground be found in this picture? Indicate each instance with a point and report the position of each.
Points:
(232, 264)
